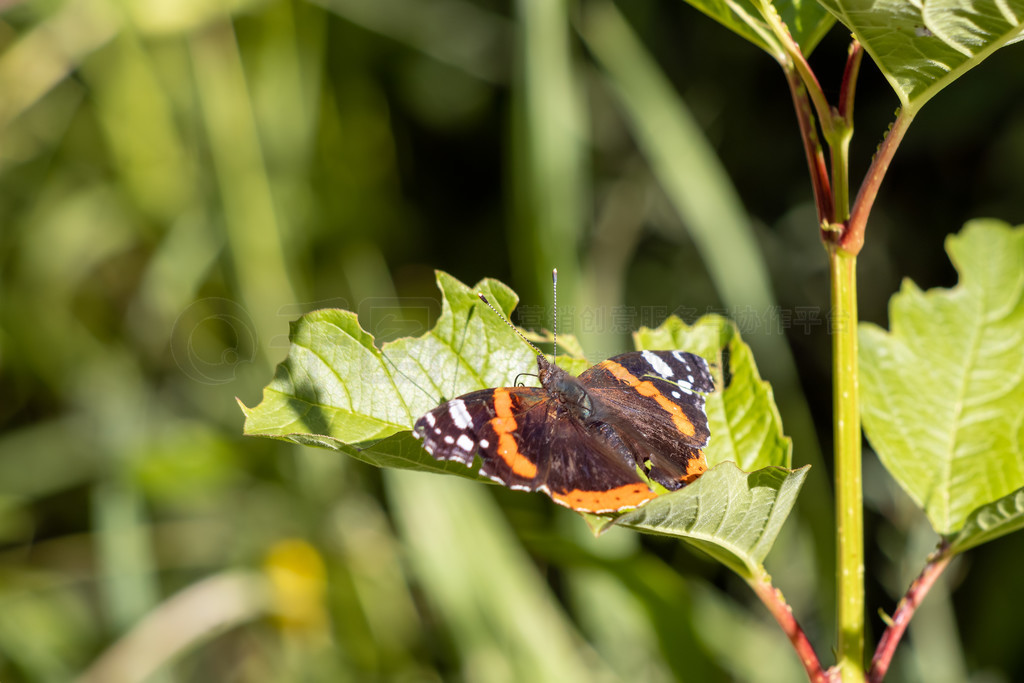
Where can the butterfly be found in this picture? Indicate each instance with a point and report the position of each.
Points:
(581, 440)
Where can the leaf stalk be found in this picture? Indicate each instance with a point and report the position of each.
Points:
(905, 611)
(816, 165)
(775, 602)
(853, 236)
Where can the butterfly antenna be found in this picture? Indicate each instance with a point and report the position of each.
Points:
(505, 320)
(554, 322)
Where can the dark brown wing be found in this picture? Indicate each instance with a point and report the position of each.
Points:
(653, 401)
(526, 443)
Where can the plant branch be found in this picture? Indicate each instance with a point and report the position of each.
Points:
(849, 86)
(849, 493)
(812, 146)
(905, 612)
(838, 137)
(798, 63)
(776, 604)
(853, 236)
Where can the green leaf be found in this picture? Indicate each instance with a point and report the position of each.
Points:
(731, 515)
(807, 21)
(337, 390)
(745, 424)
(989, 522)
(921, 47)
(943, 391)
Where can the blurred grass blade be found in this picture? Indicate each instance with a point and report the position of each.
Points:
(138, 122)
(251, 219)
(454, 32)
(549, 153)
(182, 623)
(44, 56)
(746, 644)
(682, 160)
(943, 389)
(923, 47)
(124, 551)
(501, 612)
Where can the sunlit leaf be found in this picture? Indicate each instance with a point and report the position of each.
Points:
(943, 390)
(731, 515)
(921, 47)
(806, 20)
(990, 522)
(337, 390)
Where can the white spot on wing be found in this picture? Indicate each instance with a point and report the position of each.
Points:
(449, 440)
(660, 366)
(484, 443)
(429, 417)
(465, 443)
(460, 416)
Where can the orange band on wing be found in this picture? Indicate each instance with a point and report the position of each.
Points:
(648, 389)
(612, 500)
(504, 426)
(694, 468)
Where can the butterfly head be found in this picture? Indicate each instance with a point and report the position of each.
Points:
(567, 391)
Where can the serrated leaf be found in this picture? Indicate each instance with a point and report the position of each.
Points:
(921, 47)
(943, 391)
(744, 421)
(337, 390)
(731, 515)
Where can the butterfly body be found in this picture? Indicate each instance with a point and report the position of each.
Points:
(582, 439)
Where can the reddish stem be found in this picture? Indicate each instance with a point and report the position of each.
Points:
(853, 236)
(812, 146)
(904, 612)
(776, 604)
(849, 86)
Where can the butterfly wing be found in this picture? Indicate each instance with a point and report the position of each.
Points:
(653, 401)
(527, 443)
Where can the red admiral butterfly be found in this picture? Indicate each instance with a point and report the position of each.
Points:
(581, 439)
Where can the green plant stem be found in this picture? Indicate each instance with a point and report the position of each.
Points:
(839, 152)
(841, 132)
(849, 494)
(776, 604)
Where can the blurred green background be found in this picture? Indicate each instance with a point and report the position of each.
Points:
(181, 178)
